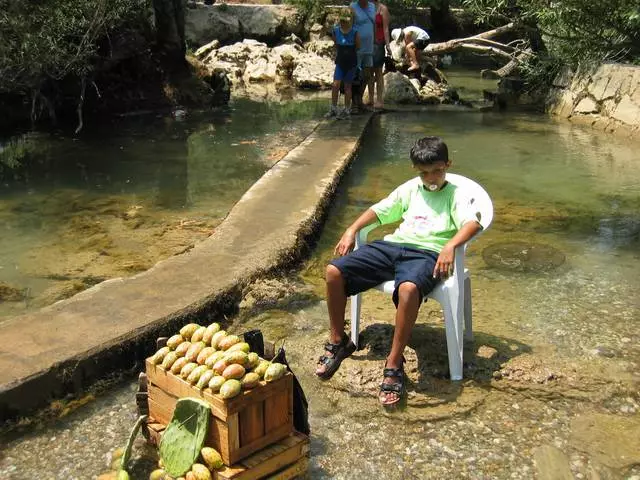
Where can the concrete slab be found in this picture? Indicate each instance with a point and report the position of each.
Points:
(112, 326)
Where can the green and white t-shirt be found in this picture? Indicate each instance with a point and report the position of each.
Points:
(430, 219)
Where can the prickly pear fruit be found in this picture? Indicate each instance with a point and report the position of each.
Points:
(201, 472)
(158, 474)
(194, 350)
(250, 380)
(190, 476)
(187, 369)
(233, 371)
(194, 376)
(242, 346)
(198, 334)
(213, 358)
(181, 350)
(211, 330)
(274, 372)
(188, 330)
(220, 365)
(203, 381)
(169, 360)
(212, 458)
(174, 341)
(159, 355)
(204, 354)
(253, 360)
(228, 341)
(215, 340)
(122, 475)
(178, 364)
(230, 388)
(262, 368)
(240, 358)
(216, 382)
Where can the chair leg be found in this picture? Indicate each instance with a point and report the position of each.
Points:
(454, 340)
(468, 314)
(356, 301)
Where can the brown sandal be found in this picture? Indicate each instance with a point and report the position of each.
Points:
(339, 352)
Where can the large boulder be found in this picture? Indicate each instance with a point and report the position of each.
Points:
(312, 71)
(399, 89)
(322, 47)
(229, 22)
(260, 70)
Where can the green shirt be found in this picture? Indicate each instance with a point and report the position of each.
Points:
(430, 219)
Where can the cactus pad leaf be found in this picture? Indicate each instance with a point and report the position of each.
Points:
(184, 437)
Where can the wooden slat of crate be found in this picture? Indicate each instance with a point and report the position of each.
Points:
(281, 455)
(220, 407)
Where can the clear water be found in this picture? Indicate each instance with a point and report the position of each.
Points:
(122, 196)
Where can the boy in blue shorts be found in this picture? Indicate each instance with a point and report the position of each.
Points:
(347, 42)
(437, 217)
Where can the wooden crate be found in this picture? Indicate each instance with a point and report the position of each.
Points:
(239, 426)
(283, 460)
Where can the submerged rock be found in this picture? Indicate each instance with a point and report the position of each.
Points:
(9, 293)
(523, 257)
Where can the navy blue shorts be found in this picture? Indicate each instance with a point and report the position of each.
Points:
(345, 76)
(381, 261)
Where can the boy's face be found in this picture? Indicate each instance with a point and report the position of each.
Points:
(433, 175)
(345, 22)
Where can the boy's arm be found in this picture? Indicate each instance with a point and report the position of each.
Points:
(444, 265)
(348, 239)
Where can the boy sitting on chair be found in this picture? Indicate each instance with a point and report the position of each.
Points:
(436, 219)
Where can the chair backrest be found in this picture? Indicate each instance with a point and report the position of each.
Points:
(478, 196)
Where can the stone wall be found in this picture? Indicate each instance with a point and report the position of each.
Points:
(606, 97)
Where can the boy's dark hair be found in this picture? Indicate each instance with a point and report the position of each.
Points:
(429, 150)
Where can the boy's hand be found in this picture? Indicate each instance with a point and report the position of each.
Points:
(346, 243)
(444, 264)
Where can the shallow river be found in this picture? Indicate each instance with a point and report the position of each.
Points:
(551, 381)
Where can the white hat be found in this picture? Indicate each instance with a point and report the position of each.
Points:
(395, 34)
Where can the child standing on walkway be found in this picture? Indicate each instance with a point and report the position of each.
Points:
(347, 42)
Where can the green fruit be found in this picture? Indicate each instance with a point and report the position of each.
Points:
(242, 346)
(217, 337)
(181, 350)
(187, 369)
(212, 458)
(262, 368)
(233, 371)
(200, 472)
(158, 474)
(210, 332)
(220, 365)
(194, 351)
(253, 360)
(216, 382)
(274, 372)
(205, 353)
(159, 355)
(174, 341)
(213, 358)
(194, 376)
(250, 380)
(122, 475)
(230, 389)
(203, 381)
(169, 360)
(237, 357)
(198, 334)
(188, 330)
(228, 341)
(178, 364)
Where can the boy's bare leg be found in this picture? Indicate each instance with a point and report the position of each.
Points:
(336, 302)
(409, 299)
(379, 83)
(335, 91)
(411, 52)
(347, 98)
(368, 73)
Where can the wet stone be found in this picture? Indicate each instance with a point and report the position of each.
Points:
(523, 257)
(602, 351)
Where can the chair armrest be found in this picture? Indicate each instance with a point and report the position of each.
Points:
(363, 233)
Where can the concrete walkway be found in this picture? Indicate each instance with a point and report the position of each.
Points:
(63, 348)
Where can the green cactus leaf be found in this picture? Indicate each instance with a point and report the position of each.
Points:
(184, 437)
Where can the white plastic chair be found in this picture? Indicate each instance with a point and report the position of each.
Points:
(454, 294)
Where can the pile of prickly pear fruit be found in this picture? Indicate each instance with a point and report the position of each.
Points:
(209, 461)
(210, 358)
